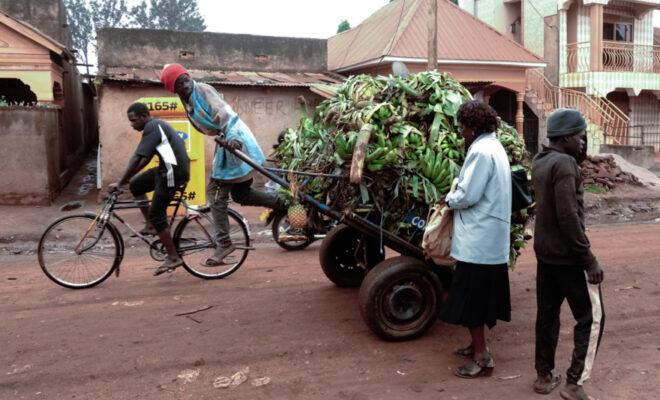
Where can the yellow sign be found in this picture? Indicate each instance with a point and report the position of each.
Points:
(170, 109)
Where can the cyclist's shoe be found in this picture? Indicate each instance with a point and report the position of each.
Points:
(168, 266)
(219, 254)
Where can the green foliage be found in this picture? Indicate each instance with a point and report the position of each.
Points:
(176, 15)
(413, 154)
(343, 26)
(593, 188)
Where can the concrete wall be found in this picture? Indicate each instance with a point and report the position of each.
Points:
(551, 48)
(29, 155)
(213, 51)
(644, 156)
(534, 13)
(49, 16)
(267, 111)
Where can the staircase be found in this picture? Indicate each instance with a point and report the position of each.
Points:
(608, 124)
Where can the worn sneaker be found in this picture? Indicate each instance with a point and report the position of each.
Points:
(573, 392)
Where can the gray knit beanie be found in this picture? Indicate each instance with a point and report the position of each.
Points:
(565, 122)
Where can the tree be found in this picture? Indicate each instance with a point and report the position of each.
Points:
(85, 17)
(176, 15)
(343, 26)
(79, 18)
(109, 14)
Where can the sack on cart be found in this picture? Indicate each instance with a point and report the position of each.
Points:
(437, 235)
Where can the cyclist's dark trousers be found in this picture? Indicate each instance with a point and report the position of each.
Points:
(554, 283)
(152, 181)
(243, 193)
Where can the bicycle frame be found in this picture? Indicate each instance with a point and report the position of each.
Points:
(113, 203)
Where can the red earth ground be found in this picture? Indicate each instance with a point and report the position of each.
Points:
(280, 316)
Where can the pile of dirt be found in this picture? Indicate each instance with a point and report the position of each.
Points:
(603, 171)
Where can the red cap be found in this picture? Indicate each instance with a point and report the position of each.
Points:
(170, 74)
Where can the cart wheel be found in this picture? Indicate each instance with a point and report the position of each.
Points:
(346, 255)
(400, 298)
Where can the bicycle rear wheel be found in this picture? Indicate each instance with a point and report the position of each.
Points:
(194, 240)
(76, 252)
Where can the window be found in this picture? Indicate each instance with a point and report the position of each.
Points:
(619, 31)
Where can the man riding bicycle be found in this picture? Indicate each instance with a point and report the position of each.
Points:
(211, 115)
(172, 174)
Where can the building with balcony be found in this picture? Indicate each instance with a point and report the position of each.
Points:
(601, 59)
(489, 64)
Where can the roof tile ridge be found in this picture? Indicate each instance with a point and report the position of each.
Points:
(401, 26)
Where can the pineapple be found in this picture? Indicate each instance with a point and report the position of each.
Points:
(297, 216)
(296, 212)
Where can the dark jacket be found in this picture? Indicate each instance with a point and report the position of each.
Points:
(560, 233)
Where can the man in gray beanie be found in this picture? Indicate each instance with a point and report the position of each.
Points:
(566, 268)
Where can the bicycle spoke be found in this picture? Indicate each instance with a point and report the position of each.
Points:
(60, 261)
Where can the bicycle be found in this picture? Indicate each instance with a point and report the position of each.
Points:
(80, 251)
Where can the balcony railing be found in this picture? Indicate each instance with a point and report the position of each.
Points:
(616, 57)
(598, 110)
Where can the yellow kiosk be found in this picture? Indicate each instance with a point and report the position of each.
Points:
(170, 109)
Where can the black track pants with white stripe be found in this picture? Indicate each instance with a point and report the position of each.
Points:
(554, 283)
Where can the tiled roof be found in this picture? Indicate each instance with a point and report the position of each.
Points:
(400, 30)
(230, 78)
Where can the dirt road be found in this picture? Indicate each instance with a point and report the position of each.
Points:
(280, 317)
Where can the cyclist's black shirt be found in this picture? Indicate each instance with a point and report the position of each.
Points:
(159, 138)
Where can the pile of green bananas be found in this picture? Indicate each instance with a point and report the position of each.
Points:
(414, 151)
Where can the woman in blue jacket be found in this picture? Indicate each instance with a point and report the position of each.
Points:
(479, 294)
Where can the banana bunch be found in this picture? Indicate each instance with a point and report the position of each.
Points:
(452, 146)
(513, 144)
(414, 151)
(439, 169)
(345, 145)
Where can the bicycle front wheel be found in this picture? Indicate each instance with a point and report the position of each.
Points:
(77, 252)
(195, 242)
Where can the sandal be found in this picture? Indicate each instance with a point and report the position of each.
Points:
(168, 266)
(475, 369)
(467, 351)
(546, 383)
(218, 256)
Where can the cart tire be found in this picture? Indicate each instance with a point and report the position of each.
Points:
(400, 298)
(281, 225)
(346, 255)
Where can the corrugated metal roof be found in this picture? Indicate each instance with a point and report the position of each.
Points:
(400, 29)
(231, 78)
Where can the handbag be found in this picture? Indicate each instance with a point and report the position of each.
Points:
(520, 196)
(436, 242)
